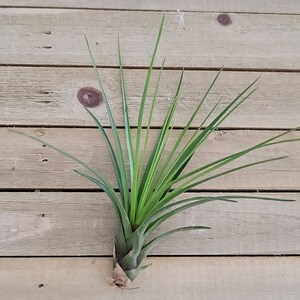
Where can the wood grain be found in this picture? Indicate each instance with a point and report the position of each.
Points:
(47, 96)
(255, 278)
(196, 40)
(49, 223)
(44, 61)
(255, 6)
(27, 164)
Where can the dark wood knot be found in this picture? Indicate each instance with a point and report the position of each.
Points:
(224, 19)
(89, 96)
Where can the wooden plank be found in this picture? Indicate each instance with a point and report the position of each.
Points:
(256, 6)
(49, 223)
(47, 96)
(251, 278)
(27, 164)
(55, 36)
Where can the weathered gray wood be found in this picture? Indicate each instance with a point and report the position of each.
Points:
(211, 278)
(48, 223)
(69, 223)
(55, 36)
(27, 164)
(256, 6)
(47, 96)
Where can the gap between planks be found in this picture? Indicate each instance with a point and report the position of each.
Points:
(156, 256)
(41, 126)
(150, 10)
(167, 68)
(96, 190)
(253, 7)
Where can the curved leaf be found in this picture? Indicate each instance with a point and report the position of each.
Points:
(147, 248)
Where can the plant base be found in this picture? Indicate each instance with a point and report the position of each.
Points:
(120, 278)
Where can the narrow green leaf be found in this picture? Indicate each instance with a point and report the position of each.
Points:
(257, 198)
(187, 126)
(150, 119)
(120, 241)
(158, 151)
(132, 274)
(134, 244)
(192, 146)
(126, 117)
(100, 181)
(135, 186)
(185, 187)
(148, 223)
(167, 187)
(119, 150)
(117, 204)
(161, 219)
(147, 248)
(112, 155)
(63, 152)
(225, 160)
(195, 201)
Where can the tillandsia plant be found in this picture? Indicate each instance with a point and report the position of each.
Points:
(148, 190)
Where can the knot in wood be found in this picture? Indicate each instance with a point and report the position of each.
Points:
(89, 97)
(224, 19)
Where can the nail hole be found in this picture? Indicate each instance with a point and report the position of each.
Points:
(47, 47)
(224, 19)
(44, 101)
(47, 32)
(44, 146)
(45, 159)
(42, 215)
(40, 285)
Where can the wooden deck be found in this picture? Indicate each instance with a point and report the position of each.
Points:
(56, 229)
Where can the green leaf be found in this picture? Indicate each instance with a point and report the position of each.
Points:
(119, 150)
(257, 198)
(126, 117)
(63, 152)
(134, 191)
(132, 274)
(149, 122)
(120, 241)
(168, 186)
(192, 146)
(150, 219)
(185, 187)
(134, 244)
(112, 155)
(225, 160)
(147, 248)
(187, 126)
(194, 201)
(116, 202)
(156, 221)
(157, 152)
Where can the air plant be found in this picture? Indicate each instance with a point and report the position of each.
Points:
(149, 189)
